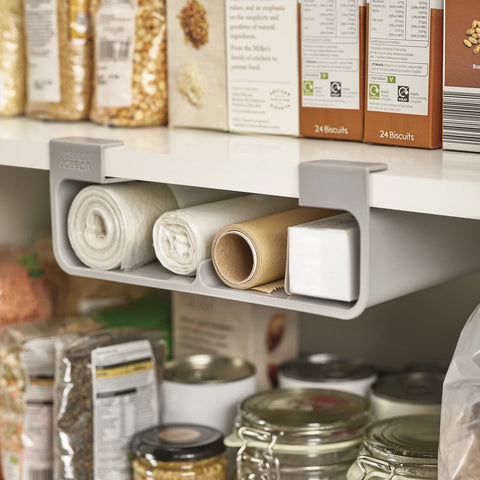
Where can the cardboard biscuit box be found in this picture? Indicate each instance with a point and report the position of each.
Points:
(404, 73)
(461, 93)
(332, 61)
(265, 336)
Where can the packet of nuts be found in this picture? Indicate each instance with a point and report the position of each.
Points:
(130, 69)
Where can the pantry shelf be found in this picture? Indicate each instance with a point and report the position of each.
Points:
(416, 180)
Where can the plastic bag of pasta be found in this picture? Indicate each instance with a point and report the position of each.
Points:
(12, 58)
(130, 67)
(59, 59)
(107, 389)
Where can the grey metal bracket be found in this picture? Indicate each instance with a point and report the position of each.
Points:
(345, 186)
(74, 161)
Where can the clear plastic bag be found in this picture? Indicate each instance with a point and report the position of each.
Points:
(130, 68)
(107, 389)
(12, 58)
(459, 452)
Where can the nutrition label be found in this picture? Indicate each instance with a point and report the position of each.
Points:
(399, 52)
(330, 53)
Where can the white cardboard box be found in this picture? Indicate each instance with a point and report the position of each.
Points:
(265, 336)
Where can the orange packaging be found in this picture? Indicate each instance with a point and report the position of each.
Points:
(404, 73)
(331, 66)
(461, 94)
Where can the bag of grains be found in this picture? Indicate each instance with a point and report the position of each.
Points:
(107, 389)
(27, 365)
(59, 59)
(12, 58)
(130, 67)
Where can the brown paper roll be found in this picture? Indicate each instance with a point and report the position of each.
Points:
(253, 253)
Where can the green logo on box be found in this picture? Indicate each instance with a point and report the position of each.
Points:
(391, 79)
(308, 88)
(324, 76)
(374, 91)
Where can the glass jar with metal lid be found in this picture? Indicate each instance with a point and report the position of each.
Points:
(301, 434)
(399, 448)
(179, 452)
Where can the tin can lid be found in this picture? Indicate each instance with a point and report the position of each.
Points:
(423, 388)
(179, 442)
(201, 369)
(306, 415)
(405, 439)
(327, 367)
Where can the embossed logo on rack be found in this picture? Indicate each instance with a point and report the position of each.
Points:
(80, 161)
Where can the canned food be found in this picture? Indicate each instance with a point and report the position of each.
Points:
(400, 448)
(407, 394)
(301, 434)
(206, 389)
(325, 370)
(179, 452)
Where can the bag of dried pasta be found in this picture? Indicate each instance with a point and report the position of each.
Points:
(59, 59)
(130, 67)
(12, 58)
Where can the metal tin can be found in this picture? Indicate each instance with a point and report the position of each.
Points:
(206, 389)
(179, 452)
(326, 370)
(298, 434)
(407, 394)
(400, 448)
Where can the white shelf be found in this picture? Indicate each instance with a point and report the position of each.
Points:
(417, 180)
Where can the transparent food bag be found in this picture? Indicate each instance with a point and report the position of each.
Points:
(130, 68)
(459, 452)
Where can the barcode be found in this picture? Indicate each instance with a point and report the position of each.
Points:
(461, 117)
(40, 474)
(114, 50)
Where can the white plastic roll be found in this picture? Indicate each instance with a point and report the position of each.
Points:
(183, 238)
(110, 226)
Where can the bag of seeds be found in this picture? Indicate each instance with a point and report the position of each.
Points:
(130, 67)
(27, 364)
(59, 59)
(12, 58)
(107, 389)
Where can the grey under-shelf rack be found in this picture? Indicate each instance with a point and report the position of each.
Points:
(400, 252)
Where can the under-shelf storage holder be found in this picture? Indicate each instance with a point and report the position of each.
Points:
(400, 252)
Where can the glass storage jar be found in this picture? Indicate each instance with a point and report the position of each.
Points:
(179, 452)
(399, 448)
(298, 434)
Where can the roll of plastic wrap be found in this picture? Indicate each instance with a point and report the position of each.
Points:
(253, 253)
(110, 226)
(183, 238)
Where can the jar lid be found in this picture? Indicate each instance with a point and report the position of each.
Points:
(416, 387)
(406, 439)
(306, 415)
(179, 442)
(208, 369)
(327, 367)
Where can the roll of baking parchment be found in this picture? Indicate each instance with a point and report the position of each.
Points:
(252, 254)
(110, 226)
(183, 238)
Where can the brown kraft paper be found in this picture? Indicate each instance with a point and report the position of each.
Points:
(248, 254)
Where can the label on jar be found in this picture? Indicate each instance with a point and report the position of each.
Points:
(41, 28)
(38, 358)
(399, 55)
(331, 53)
(10, 465)
(125, 399)
(114, 48)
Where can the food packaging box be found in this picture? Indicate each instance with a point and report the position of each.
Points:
(404, 73)
(262, 66)
(197, 75)
(265, 336)
(461, 91)
(323, 258)
(332, 68)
